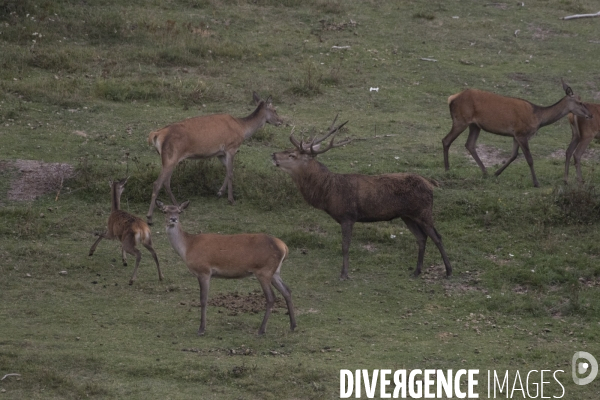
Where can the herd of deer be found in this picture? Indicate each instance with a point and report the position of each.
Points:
(347, 198)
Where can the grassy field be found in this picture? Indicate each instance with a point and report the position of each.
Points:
(83, 83)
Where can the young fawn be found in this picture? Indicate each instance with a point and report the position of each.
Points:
(128, 229)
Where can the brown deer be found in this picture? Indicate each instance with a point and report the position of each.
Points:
(351, 198)
(230, 256)
(584, 131)
(128, 229)
(217, 135)
(506, 116)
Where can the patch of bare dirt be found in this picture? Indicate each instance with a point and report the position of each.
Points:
(462, 283)
(35, 178)
(589, 154)
(252, 303)
(489, 155)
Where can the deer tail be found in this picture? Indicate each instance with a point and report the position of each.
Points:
(284, 252)
(451, 98)
(155, 140)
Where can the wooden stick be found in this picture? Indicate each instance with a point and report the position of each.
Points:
(59, 188)
(7, 375)
(581, 16)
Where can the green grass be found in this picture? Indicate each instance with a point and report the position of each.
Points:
(525, 290)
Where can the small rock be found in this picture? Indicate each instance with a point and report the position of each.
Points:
(63, 272)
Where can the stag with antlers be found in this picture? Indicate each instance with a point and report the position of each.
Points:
(351, 198)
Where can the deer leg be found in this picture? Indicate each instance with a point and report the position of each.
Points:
(167, 186)
(287, 295)
(204, 282)
(227, 161)
(128, 245)
(457, 129)
(100, 237)
(123, 256)
(515, 153)
(471, 146)
(224, 185)
(525, 146)
(421, 241)
(158, 183)
(151, 250)
(572, 146)
(265, 283)
(437, 239)
(346, 238)
(577, 156)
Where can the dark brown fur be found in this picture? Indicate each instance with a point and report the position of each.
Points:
(350, 198)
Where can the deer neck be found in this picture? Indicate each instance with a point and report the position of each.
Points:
(178, 239)
(316, 183)
(115, 200)
(551, 114)
(254, 121)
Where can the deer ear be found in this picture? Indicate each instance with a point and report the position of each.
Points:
(184, 205)
(160, 205)
(256, 98)
(566, 88)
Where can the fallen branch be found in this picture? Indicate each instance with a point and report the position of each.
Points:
(428, 59)
(374, 137)
(7, 375)
(581, 16)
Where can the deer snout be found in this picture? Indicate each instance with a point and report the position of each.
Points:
(275, 162)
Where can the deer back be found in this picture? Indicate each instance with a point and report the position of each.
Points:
(587, 127)
(203, 136)
(121, 224)
(492, 112)
(363, 198)
(233, 256)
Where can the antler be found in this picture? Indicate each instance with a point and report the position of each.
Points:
(314, 144)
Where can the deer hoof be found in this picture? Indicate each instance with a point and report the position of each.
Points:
(149, 219)
(131, 282)
(200, 333)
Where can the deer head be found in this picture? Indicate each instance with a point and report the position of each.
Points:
(303, 152)
(269, 110)
(172, 212)
(576, 106)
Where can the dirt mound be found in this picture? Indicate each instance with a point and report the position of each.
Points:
(35, 178)
(252, 303)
